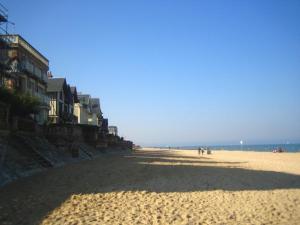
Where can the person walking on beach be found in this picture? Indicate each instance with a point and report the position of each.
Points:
(202, 151)
(199, 150)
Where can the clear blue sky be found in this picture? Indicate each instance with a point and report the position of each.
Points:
(177, 72)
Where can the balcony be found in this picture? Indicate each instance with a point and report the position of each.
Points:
(26, 66)
(44, 99)
(4, 41)
(4, 48)
(19, 41)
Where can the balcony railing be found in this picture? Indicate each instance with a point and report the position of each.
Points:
(4, 40)
(30, 68)
(44, 99)
(17, 39)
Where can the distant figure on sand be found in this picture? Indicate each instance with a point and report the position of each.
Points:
(278, 150)
(202, 151)
(199, 150)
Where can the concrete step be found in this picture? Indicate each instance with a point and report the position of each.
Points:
(32, 152)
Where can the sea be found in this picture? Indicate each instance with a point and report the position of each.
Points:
(257, 148)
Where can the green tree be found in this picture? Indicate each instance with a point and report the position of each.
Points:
(20, 104)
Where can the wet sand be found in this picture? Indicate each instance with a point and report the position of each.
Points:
(154, 186)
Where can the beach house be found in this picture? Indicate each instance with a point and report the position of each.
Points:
(82, 108)
(61, 100)
(6, 78)
(113, 130)
(96, 111)
(88, 110)
(75, 101)
(25, 69)
(104, 126)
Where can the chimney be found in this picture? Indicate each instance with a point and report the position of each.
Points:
(49, 75)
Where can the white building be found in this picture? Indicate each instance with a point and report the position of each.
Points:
(88, 110)
(113, 130)
(81, 113)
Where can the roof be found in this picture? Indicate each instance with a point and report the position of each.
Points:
(95, 101)
(95, 105)
(74, 93)
(73, 90)
(80, 94)
(55, 84)
(20, 41)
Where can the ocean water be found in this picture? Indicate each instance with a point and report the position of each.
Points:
(259, 148)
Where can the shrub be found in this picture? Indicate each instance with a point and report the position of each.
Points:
(20, 104)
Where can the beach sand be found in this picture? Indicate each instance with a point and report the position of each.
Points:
(154, 186)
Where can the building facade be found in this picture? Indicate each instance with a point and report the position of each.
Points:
(75, 101)
(88, 110)
(104, 126)
(5, 77)
(25, 69)
(96, 111)
(61, 101)
(82, 108)
(113, 130)
(81, 113)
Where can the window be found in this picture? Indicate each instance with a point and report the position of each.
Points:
(41, 90)
(44, 75)
(28, 84)
(38, 72)
(29, 66)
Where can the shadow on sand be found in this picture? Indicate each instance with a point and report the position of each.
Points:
(28, 200)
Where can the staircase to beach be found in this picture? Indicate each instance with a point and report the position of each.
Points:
(31, 152)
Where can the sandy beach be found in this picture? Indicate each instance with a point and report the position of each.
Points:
(152, 186)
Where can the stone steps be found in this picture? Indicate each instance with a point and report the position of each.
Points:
(31, 152)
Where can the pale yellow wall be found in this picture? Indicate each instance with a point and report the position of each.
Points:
(92, 119)
(52, 108)
(81, 113)
(77, 111)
